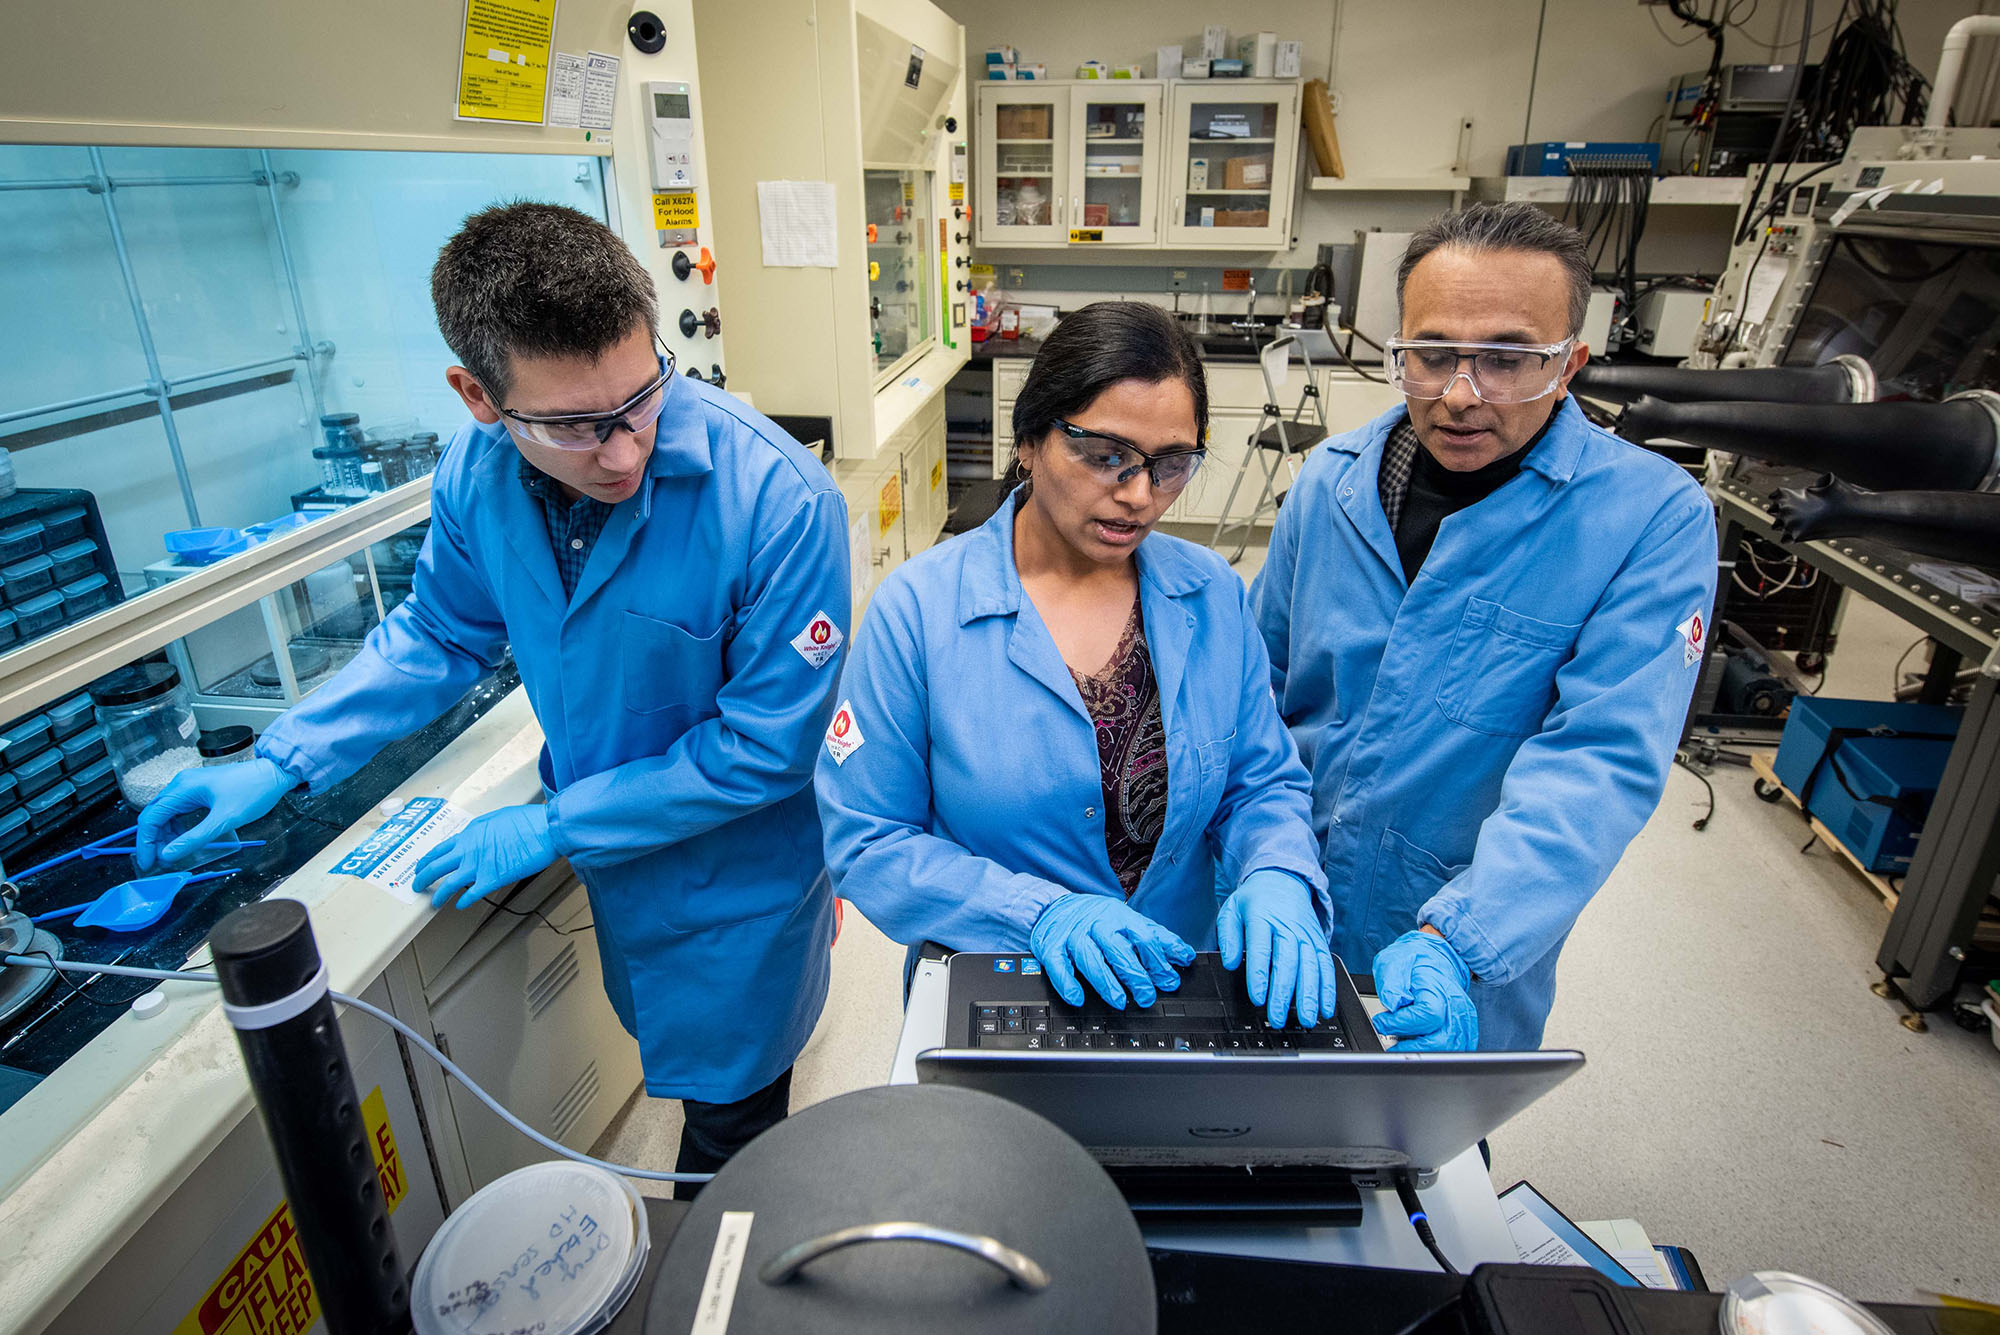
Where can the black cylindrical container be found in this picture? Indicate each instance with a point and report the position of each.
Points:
(274, 992)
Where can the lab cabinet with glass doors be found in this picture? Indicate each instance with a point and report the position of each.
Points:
(1183, 165)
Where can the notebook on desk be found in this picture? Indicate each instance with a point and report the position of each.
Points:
(1199, 1079)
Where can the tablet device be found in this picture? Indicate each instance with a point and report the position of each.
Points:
(1547, 1236)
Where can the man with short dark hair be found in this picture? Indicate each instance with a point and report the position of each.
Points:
(1485, 618)
(671, 570)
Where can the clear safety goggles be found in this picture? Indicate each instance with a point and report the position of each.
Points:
(1115, 462)
(1499, 372)
(587, 431)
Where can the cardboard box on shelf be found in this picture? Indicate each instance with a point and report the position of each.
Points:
(1127, 72)
(1259, 51)
(1168, 62)
(1227, 69)
(1285, 64)
(1021, 122)
(1096, 215)
(1208, 215)
(994, 72)
(1247, 173)
(1215, 40)
(1241, 217)
(1197, 173)
(1195, 69)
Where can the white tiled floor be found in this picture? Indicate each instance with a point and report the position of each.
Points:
(1746, 1096)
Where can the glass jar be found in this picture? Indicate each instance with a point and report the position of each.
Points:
(372, 479)
(229, 745)
(395, 461)
(423, 452)
(149, 727)
(341, 429)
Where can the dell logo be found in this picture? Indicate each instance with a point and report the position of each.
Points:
(1218, 1132)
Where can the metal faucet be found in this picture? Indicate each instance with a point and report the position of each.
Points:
(1248, 324)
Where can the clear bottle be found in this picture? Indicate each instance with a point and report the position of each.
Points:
(149, 727)
(231, 745)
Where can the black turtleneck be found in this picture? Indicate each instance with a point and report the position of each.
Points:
(1436, 491)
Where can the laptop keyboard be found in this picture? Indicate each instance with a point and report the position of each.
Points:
(1168, 1026)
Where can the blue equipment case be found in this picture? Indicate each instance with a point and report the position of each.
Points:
(1868, 769)
(1553, 159)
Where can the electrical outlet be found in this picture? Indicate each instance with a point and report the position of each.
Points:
(1333, 101)
(1016, 277)
(1180, 276)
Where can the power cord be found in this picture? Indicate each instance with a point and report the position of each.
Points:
(450, 1067)
(1406, 1192)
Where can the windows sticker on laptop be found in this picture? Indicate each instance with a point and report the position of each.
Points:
(1003, 966)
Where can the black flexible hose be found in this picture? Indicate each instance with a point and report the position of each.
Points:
(1951, 525)
(1830, 383)
(1948, 446)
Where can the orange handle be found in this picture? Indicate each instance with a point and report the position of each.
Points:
(707, 266)
(871, 234)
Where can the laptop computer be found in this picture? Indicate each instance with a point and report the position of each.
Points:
(1199, 1080)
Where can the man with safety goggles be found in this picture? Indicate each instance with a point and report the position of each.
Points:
(670, 571)
(1485, 618)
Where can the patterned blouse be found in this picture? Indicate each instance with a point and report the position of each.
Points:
(1124, 702)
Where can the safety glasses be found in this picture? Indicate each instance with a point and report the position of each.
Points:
(1115, 462)
(1499, 372)
(587, 431)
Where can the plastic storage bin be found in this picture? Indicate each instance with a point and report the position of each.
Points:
(149, 727)
(8, 795)
(24, 739)
(85, 748)
(69, 717)
(1868, 770)
(65, 525)
(27, 578)
(39, 614)
(48, 808)
(90, 594)
(18, 542)
(38, 772)
(200, 546)
(13, 829)
(10, 629)
(94, 779)
(73, 560)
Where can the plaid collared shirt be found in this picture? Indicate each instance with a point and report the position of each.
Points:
(574, 526)
(1399, 456)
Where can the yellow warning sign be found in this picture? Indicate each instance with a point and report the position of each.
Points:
(1086, 234)
(956, 190)
(889, 505)
(937, 474)
(267, 1289)
(674, 210)
(909, 191)
(503, 66)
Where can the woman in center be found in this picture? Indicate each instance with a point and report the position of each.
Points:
(1057, 733)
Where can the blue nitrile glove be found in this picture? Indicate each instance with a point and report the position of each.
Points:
(1115, 947)
(1422, 983)
(1268, 929)
(231, 795)
(491, 853)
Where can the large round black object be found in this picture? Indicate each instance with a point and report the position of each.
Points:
(646, 31)
(950, 1158)
(130, 685)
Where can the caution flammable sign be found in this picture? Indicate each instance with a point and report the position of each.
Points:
(267, 1289)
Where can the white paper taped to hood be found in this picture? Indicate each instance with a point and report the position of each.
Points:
(1873, 198)
(388, 858)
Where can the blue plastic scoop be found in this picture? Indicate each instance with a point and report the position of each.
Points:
(135, 905)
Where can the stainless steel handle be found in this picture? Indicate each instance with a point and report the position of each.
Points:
(1020, 1270)
(1075, 208)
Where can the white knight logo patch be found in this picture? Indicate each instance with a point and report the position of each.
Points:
(1694, 639)
(819, 641)
(843, 735)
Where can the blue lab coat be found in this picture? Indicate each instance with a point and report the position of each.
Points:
(974, 798)
(1485, 740)
(680, 720)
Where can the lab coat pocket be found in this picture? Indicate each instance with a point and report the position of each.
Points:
(1211, 781)
(666, 667)
(1406, 876)
(1501, 677)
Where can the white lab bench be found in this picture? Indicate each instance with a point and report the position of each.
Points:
(1463, 1207)
(124, 1171)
